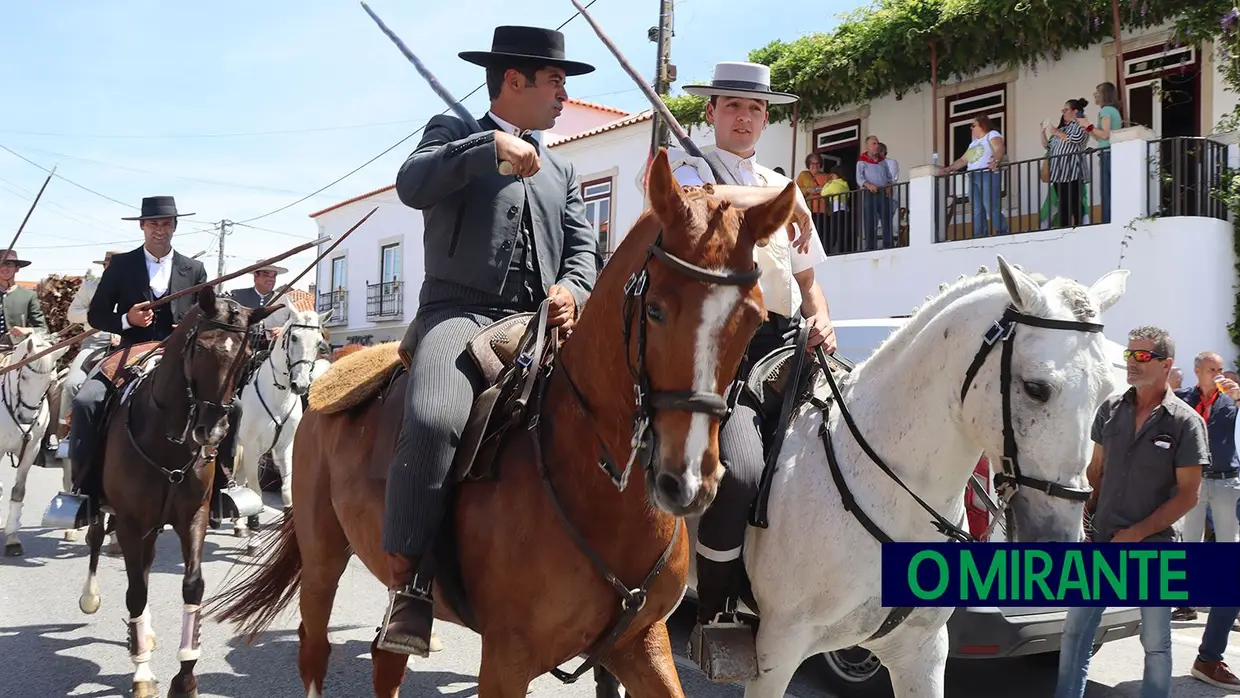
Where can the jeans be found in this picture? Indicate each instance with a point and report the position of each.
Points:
(1080, 630)
(985, 192)
(1217, 632)
(1221, 498)
(876, 209)
(1104, 182)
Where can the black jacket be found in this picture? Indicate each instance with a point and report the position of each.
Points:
(126, 283)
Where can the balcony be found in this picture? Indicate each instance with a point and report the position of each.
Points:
(861, 220)
(338, 302)
(385, 301)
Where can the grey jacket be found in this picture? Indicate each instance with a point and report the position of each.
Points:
(473, 214)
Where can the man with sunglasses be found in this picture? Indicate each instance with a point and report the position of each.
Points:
(1150, 448)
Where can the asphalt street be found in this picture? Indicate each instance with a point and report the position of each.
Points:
(50, 648)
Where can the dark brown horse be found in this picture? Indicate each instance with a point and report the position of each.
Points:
(547, 560)
(158, 467)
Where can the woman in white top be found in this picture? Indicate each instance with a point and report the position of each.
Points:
(985, 180)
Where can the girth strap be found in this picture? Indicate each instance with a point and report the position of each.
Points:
(758, 513)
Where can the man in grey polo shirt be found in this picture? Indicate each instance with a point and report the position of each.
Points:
(1149, 451)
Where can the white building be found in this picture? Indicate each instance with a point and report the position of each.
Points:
(1164, 226)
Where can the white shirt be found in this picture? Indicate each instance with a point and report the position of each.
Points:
(779, 260)
(513, 130)
(159, 269)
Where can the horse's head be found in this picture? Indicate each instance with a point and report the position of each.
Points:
(217, 344)
(683, 283)
(300, 343)
(1032, 403)
(23, 397)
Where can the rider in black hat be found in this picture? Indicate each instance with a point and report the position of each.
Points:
(487, 257)
(139, 276)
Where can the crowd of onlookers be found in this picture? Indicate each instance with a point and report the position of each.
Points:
(849, 216)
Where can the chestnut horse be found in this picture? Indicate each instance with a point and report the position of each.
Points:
(157, 467)
(552, 561)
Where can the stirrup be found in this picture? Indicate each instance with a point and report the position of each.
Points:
(725, 649)
(401, 643)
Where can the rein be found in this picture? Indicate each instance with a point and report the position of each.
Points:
(288, 373)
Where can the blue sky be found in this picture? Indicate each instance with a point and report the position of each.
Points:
(241, 108)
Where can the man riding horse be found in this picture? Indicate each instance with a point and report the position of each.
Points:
(495, 245)
(739, 96)
(139, 276)
(256, 296)
(22, 311)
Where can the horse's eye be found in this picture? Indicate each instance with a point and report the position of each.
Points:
(1038, 390)
(654, 312)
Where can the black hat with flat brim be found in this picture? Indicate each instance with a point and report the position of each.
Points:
(520, 44)
(158, 207)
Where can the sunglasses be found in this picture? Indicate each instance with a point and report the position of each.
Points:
(1142, 356)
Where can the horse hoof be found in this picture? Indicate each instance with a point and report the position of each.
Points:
(145, 689)
(13, 549)
(71, 534)
(174, 693)
(89, 604)
(114, 548)
(436, 645)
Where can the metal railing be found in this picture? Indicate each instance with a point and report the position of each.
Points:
(336, 301)
(1062, 191)
(862, 220)
(385, 300)
(1187, 172)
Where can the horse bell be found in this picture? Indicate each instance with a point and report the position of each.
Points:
(67, 511)
(239, 502)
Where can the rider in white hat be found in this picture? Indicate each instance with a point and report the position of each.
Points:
(740, 94)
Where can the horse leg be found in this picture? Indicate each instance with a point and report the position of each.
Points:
(389, 671)
(282, 457)
(916, 663)
(139, 556)
(66, 485)
(89, 600)
(12, 545)
(114, 546)
(506, 668)
(192, 533)
(606, 685)
(645, 666)
(324, 551)
(783, 644)
(247, 476)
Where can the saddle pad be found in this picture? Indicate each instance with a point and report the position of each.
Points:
(125, 357)
(355, 379)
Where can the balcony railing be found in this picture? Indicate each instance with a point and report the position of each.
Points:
(1189, 171)
(385, 301)
(337, 302)
(862, 220)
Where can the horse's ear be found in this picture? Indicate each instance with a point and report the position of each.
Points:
(325, 316)
(1108, 289)
(1023, 290)
(206, 301)
(765, 219)
(666, 197)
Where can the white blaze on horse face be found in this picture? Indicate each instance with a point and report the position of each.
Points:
(717, 308)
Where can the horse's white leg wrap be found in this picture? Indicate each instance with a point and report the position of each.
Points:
(15, 520)
(190, 624)
(140, 645)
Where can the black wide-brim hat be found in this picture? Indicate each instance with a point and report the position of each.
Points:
(511, 43)
(158, 207)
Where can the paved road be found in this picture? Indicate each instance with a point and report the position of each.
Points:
(51, 649)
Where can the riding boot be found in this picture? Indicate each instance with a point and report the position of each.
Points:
(411, 610)
(723, 646)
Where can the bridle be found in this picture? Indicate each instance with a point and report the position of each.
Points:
(648, 401)
(284, 343)
(1010, 479)
(13, 402)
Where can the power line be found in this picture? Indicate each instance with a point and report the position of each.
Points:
(393, 146)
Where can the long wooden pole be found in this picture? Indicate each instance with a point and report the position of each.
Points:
(34, 203)
(164, 300)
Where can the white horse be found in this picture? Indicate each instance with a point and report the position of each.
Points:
(928, 412)
(271, 404)
(24, 417)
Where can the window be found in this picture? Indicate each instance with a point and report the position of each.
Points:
(340, 274)
(390, 263)
(835, 137)
(598, 199)
(963, 108)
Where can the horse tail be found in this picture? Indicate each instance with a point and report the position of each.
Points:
(259, 597)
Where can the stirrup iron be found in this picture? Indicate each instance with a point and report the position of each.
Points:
(406, 644)
(725, 649)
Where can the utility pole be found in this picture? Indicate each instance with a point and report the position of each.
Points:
(225, 229)
(665, 73)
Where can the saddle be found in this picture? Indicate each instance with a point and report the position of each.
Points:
(513, 354)
(120, 367)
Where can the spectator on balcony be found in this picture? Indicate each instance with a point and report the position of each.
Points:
(1109, 118)
(1068, 168)
(874, 178)
(893, 166)
(985, 181)
(840, 238)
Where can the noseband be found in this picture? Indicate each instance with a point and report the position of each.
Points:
(643, 443)
(1010, 478)
(247, 335)
(284, 342)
